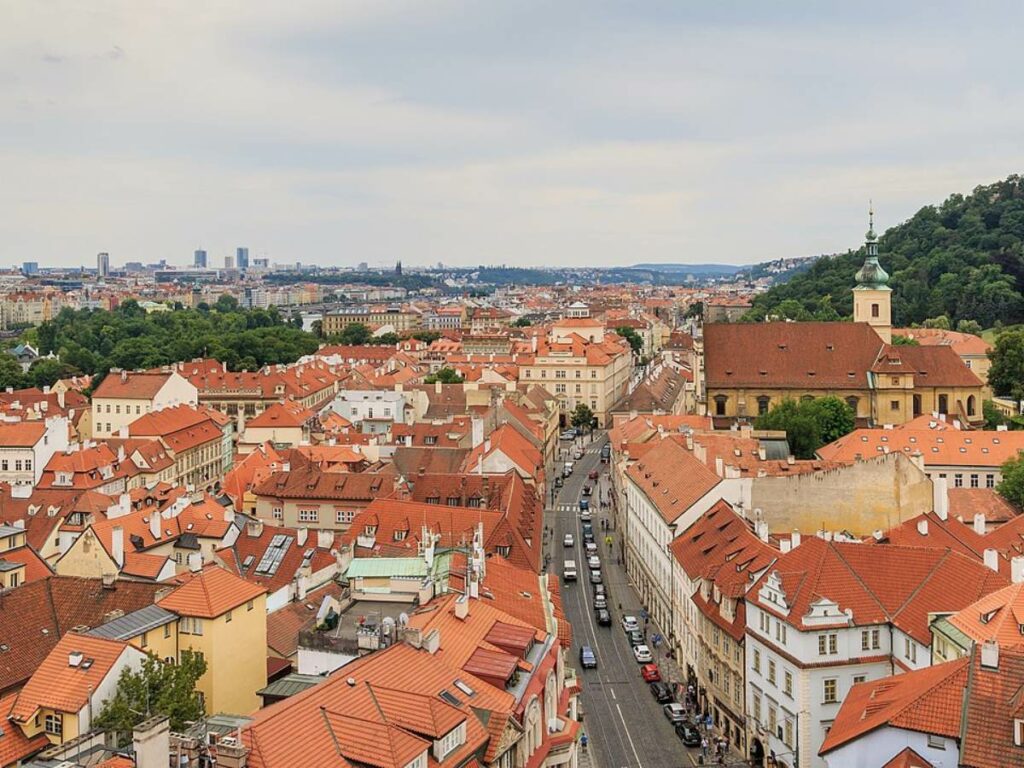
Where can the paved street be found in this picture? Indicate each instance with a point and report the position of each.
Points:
(624, 723)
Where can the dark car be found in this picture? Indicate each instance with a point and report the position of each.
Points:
(587, 658)
(688, 734)
(662, 693)
(586, 490)
(593, 474)
(636, 637)
(603, 617)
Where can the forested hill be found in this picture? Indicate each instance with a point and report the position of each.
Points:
(963, 259)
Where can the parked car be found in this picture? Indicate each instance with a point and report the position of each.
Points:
(674, 713)
(594, 563)
(595, 577)
(636, 637)
(569, 434)
(629, 623)
(600, 601)
(588, 534)
(578, 454)
(593, 474)
(599, 590)
(591, 548)
(559, 482)
(568, 541)
(584, 505)
(587, 658)
(586, 490)
(603, 617)
(585, 515)
(662, 692)
(642, 654)
(650, 673)
(690, 736)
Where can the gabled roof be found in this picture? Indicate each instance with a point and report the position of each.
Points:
(209, 593)
(131, 385)
(947, 447)
(998, 616)
(21, 434)
(308, 482)
(926, 700)
(58, 685)
(672, 479)
(36, 615)
(13, 744)
(287, 413)
(879, 583)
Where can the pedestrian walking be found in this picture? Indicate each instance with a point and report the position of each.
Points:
(704, 747)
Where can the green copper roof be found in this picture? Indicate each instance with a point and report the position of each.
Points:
(380, 567)
(871, 275)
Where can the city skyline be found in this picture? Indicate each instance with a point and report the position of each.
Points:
(372, 132)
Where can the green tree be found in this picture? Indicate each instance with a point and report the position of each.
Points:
(904, 341)
(10, 372)
(522, 322)
(694, 310)
(993, 416)
(1011, 487)
(1006, 376)
(226, 303)
(296, 319)
(318, 328)
(45, 372)
(355, 334)
(969, 326)
(809, 424)
(427, 337)
(582, 416)
(386, 339)
(445, 376)
(630, 335)
(941, 322)
(155, 689)
(835, 417)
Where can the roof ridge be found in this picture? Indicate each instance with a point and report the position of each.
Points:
(853, 572)
(921, 585)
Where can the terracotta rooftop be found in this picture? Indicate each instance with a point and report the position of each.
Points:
(131, 385)
(209, 593)
(672, 479)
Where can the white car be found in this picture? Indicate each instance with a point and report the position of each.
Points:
(594, 562)
(642, 654)
(630, 624)
(591, 548)
(568, 541)
(579, 454)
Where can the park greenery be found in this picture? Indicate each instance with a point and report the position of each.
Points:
(634, 339)
(157, 688)
(809, 424)
(93, 341)
(956, 265)
(1011, 487)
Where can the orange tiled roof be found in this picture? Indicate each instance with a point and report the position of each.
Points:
(58, 685)
(21, 434)
(209, 593)
(998, 616)
(133, 385)
(14, 747)
(672, 478)
(946, 447)
(35, 566)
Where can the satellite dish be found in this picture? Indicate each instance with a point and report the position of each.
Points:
(403, 619)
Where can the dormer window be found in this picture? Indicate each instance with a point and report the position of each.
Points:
(451, 741)
(370, 530)
(400, 535)
(1018, 733)
(504, 550)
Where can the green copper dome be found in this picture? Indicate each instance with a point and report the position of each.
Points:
(871, 274)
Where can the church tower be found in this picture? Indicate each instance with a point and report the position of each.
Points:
(872, 297)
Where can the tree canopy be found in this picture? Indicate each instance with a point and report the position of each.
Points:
(809, 424)
(630, 335)
(445, 376)
(1006, 376)
(1011, 487)
(94, 341)
(156, 689)
(962, 260)
(582, 416)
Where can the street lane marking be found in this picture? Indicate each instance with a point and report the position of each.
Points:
(612, 691)
(626, 727)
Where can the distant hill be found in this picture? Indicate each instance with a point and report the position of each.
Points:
(692, 269)
(963, 259)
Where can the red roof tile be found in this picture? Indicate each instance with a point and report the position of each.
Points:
(209, 593)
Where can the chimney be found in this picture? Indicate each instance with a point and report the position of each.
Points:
(992, 559)
(462, 607)
(940, 497)
(785, 545)
(154, 524)
(795, 538)
(300, 537)
(117, 544)
(1017, 569)
(762, 453)
(124, 376)
(75, 659)
(152, 745)
(979, 523)
(432, 641)
(990, 655)
(689, 441)
(922, 526)
(719, 466)
(324, 539)
(791, 459)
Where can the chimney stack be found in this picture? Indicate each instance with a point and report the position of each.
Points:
(940, 497)
(117, 544)
(462, 607)
(992, 559)
(922, 526)
(990, 655)
(979, 523)
(1017, 569)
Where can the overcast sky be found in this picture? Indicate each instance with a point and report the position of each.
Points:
(492, 131)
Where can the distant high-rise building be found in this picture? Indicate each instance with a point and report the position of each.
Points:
(229, 262)
(200, 259)
(242, 258)
(30, 268)
(102, 264)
